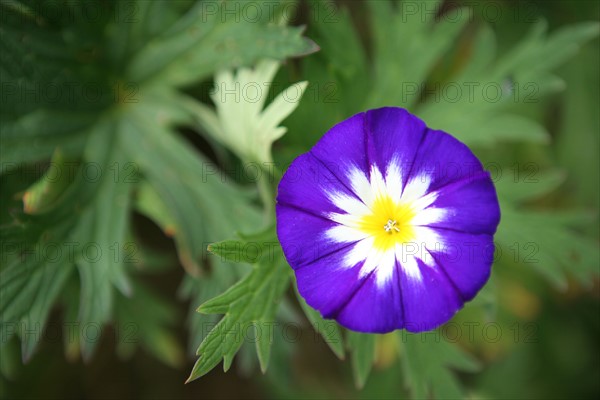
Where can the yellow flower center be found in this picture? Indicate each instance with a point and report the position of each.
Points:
(389, 224)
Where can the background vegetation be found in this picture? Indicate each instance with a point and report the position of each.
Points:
(120, 163)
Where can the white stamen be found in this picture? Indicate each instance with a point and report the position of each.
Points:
(391, 225)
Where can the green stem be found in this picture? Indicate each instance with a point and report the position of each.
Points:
(267, 197)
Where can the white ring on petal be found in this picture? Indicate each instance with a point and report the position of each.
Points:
(383, 262)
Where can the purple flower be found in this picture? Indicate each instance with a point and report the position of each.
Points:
(387, 223)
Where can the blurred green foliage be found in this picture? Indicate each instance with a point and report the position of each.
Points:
(107, 133)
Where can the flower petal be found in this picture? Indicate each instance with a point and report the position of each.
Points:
(388, 224)
(468, 205)
(394, 136)
(444, 160)
(327, 282)
(430, 301)
(308, 185)
(304, 237)
(342, 150)
(375, 307)
(466, 259)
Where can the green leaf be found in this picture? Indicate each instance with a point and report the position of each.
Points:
(249, 250)
(393, 49)
(362, 348)
(28, 288)
(149, 203)
(205, 40)
(47, 190)
(241, 120)
(517, 78)
(20, 281)
(483, 52)
(579, 127)
(333, 26)
(32, 324)
(555, 50)
(329, 330)
(506, 127)
(251, 302)
(42, 79)
(199, 290)
(530, 185)
(126, 132)
(427, 361)
(544, 241)
(484, 128)
(103, 226)
(146, 320)
(39, 260)
(184, 183)
(339, 79)
(92, 238)
(234, 251)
